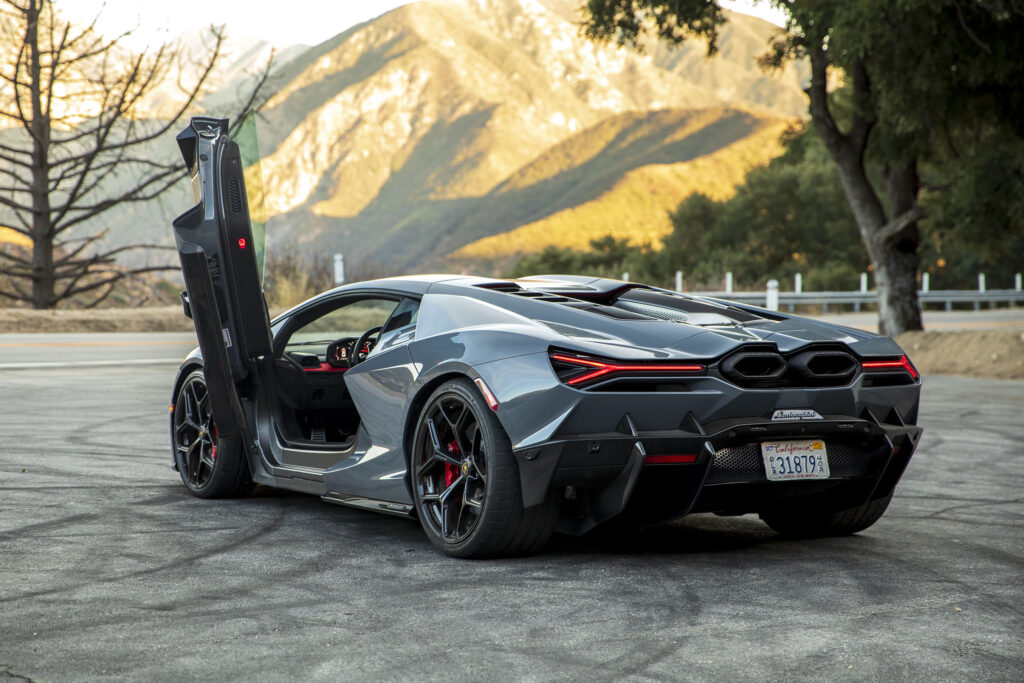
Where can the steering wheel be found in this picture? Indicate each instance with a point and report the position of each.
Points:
(364, 340)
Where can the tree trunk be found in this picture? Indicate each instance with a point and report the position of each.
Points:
(897, 261)
(891, 243)
(43, 276)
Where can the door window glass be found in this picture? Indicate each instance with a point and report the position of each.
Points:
(350, 320)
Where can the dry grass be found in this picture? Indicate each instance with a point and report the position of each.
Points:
(638, 206)
(994, 354)
(157, 319)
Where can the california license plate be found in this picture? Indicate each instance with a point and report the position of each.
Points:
(788, 460)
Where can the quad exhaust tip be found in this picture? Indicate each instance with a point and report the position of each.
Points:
(815, 366)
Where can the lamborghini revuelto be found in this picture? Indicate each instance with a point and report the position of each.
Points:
(500, 411)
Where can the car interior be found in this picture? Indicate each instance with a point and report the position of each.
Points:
(315, 349)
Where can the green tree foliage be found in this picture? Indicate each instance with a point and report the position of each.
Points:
(789, 217)
(930, 86)
(609, 257)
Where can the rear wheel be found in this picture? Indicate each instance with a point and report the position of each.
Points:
(466, 480)
(211, 467)
(812, 524)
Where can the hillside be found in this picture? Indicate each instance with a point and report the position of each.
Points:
(444, 124)
(637, 206)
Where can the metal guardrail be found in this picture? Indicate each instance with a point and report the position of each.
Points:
(790, 300)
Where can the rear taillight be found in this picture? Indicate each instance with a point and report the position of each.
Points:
(578, 371)
(901, 364)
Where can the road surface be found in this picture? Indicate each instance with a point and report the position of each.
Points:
(109, 570)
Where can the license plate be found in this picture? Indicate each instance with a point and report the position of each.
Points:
(788, 460)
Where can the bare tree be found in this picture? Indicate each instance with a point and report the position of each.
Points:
(79, 117)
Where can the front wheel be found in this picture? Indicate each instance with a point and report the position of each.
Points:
(211, 467)
(466, 480)
(812, 524)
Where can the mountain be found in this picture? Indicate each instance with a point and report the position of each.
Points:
(652, 163)
(459, 133)
(440, 124)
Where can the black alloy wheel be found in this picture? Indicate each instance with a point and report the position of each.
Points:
(453, 474)
(466, 480)
(209, 465)
(195, 433)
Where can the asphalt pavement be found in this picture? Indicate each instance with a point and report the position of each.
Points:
(33, 351)
(109, 570)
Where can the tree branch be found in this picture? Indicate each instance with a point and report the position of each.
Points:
(817, 92)
(891, 230)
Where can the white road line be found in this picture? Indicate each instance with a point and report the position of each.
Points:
(89, 363)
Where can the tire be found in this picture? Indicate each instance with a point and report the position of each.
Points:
(807, 524)
(465, 480)
(210, 467)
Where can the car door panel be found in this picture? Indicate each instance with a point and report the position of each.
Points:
(214, 243)
(379, 387)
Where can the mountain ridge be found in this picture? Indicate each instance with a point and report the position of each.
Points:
(416, 122)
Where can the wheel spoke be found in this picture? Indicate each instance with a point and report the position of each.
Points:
(477, 458)
(437, 458)
(458, 518)
(450, 508)
(435, 441)
(448, 412)
(447, 493)
(469, 495)
(195, 403)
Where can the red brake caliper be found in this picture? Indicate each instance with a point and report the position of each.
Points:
(451, 472)
(213, 451)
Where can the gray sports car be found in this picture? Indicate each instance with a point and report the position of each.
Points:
(500, 411)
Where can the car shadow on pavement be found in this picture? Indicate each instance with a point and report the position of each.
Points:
(695, 534)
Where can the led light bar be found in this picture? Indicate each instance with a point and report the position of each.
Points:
(601, 368)
(902, 364)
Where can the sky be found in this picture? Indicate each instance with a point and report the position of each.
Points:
(312, 21)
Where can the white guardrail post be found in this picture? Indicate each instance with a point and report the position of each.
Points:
(339, 269)
(1017, 282)
(863, 290)
(798, 288)
(981, 290)
(679, 281)
(728, 283)
(771, 296)
(925, 282)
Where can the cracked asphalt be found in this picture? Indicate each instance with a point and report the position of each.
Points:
(109, 570)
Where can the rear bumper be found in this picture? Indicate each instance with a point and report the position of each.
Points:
(717, 467)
